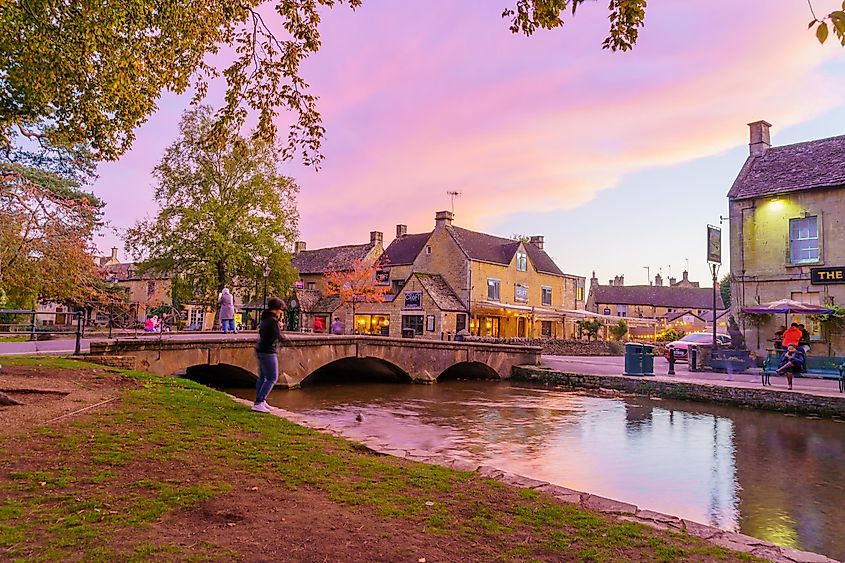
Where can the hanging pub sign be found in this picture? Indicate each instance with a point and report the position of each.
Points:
(521, 292)
(824, 276)
(413, 300)
(714, 244)
(382, 277)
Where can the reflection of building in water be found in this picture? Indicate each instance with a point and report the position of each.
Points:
(636, 415)
(791, 471)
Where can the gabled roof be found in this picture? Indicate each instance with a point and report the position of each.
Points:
(333, 259)
(312, 301)
(127, 271)
(678, 314)
(440, 292)
(404, 250)
(791, 168)
(656, 295)
(499, 250)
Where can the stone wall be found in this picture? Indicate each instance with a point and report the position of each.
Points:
(760, 398)
(122, 362)
(558, 347)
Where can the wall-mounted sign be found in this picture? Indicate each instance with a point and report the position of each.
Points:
(714, 244)
(823, 276)
(521, 292)
(413, 300)
(382, 277)
(607, 310)
(429, 323)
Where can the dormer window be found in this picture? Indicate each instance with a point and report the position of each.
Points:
(521, 262)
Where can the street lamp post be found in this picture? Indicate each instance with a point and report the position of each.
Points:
(266, 273)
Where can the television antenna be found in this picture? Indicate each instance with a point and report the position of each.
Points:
(453, 196)
(647, 274)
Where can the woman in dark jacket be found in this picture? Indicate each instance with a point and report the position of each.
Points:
(269, 335)
(791, 363)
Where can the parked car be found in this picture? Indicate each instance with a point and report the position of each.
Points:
(681, 346)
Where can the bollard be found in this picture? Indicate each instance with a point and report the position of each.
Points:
(78, 347)
(671, 362)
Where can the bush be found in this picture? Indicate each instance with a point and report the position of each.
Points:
(619, 330)
(670, 335)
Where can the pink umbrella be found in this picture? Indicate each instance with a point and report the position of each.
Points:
(787, 306)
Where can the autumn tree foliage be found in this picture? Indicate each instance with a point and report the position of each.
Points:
(46, 227)
(357, 284)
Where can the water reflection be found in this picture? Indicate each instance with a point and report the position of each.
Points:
(775, 477)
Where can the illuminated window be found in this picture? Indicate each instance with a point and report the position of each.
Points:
(804, 240)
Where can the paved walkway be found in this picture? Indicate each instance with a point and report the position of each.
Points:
(65, 345)
(614, 366)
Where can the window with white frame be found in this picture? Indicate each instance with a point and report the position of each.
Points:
(546, 294)
(804, 240)
(521, 262)
(493, 289)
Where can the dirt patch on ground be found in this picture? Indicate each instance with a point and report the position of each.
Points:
(48, 394)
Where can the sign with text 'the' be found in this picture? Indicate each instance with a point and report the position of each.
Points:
(823, 276)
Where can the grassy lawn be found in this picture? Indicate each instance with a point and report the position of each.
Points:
(14, 338)
(172, 470)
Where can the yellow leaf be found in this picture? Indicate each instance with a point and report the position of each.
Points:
(822, 32)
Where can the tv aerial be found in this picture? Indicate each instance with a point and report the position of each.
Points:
(453, 195)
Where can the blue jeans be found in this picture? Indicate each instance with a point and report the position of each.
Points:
(230, 323)
(268, 374)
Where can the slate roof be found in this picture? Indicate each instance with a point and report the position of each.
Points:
(707, 316)
(790, 168)
(499, 250)
(312, 301)
(332, 259)
(126, 271)
(669, 317)
(656, 295)
(404, 250)
(440, 292)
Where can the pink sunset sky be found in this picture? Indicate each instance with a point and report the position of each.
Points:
(619, 159)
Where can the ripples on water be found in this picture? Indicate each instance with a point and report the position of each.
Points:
(776, 477)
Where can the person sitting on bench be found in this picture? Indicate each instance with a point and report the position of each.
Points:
(791, 363)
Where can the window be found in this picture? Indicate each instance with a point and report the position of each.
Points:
(460, 322)
(521, 261)
(413, 321)
(621, 310)
(804, 240)
(546, 294)
(579, 293)
(493, 290)
(546, 329)
(428, 250)
(151, 287)
(520, 293)
(312, 285)
(396, 286)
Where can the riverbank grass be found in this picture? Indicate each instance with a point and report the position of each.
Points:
(171, 470)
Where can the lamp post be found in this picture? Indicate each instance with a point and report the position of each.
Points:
(266, 272)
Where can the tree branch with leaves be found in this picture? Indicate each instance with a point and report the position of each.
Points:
(357, 284)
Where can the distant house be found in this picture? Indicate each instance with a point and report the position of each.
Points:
(787, 229)
(656, 301)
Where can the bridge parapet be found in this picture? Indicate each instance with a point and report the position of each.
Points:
(301, 354)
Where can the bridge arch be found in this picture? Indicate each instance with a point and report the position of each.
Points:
(220, 375)
(469, 370)
(366, 369)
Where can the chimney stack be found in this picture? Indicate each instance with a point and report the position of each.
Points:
(658, 280)
(760, 139)
(537, 240)
(443, 218)
(376, 238)
(401, 230)
(114, 253)
(672, 282)
(299, 246)
(685, 277)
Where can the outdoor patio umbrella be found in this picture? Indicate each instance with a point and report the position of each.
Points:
(787, 306)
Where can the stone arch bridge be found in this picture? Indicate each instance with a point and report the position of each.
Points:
(302, 356)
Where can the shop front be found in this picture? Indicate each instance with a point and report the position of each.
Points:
(373, 324)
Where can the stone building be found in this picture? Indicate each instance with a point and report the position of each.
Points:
(314, 265)
(656, 301)
(787, 232)
(507, 288)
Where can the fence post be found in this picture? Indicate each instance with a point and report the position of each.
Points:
(32, 327)
(78, 347)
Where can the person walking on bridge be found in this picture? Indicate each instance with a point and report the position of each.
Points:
(227, 310)
(266, 351)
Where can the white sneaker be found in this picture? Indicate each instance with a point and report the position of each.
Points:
(261, 407)
(266, 404)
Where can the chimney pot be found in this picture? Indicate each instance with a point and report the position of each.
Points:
(401, 230)
(760, 138)
(443, 218)
(537, 240)
(376, 237)
(299, 246)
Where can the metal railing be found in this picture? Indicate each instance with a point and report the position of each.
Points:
(33, 329)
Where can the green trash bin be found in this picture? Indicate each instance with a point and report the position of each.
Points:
(648, 359)
(634, 359)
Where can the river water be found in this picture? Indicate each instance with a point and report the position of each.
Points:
(776, 477)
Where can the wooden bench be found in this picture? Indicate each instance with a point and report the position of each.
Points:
(826, 367)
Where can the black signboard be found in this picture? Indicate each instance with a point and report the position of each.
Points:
(382, 277)
(413, 300)
(824, 276)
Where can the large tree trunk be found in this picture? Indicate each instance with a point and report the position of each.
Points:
(6, 400)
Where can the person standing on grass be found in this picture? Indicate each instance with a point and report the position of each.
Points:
(266, 348)
(227, 310)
